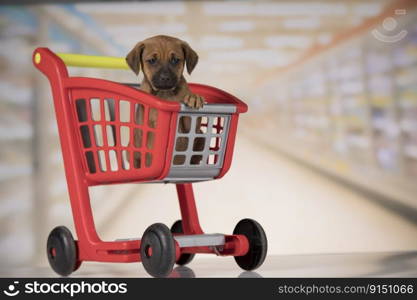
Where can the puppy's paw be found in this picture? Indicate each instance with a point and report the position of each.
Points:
(193, 101)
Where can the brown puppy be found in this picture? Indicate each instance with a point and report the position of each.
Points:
(162, 59)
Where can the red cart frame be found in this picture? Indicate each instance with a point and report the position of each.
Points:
(80, 175)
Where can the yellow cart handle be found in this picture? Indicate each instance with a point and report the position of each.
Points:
(93, 61)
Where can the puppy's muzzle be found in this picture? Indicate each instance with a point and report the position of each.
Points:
(164, 79)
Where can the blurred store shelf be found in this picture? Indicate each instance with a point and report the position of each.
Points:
(354, 104)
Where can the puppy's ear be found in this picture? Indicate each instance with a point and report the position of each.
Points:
(191, 57)
(134, 57)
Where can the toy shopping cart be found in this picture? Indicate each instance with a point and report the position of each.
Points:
(114, 133)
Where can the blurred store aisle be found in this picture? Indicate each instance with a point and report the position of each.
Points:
(301, 211)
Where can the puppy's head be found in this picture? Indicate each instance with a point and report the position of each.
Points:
(162, 59)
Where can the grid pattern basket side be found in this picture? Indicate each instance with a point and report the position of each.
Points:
(120, 139)
(200, 141)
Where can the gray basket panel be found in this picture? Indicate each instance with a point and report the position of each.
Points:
(206, 169)
(192, 135)
(193, 174)
(211, 109)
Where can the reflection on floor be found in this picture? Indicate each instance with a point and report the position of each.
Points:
(393, 264)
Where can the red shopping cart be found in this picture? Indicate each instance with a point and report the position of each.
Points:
(108, 137)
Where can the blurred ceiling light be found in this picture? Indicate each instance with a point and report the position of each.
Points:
(302, 23)
(227, 9)
(367, 9)
(224, 67)
(137, 8)
(301, 8)
(294, 41)
(220, 42)
(275, 9)
(129, 41)
(151, 29)
(236, 26)
(324, 38)
(266, 58)
(356, 21)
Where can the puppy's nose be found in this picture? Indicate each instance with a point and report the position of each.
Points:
(165, 78)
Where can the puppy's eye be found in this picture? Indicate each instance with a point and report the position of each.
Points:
(152, 61)
(175, 60)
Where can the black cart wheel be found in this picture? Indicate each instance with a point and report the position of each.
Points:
(258, 244)
(157, 250)
(185, 258)
(62, 251)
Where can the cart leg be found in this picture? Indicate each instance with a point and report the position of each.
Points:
(189, 214)
(89, 245)
(83, 221)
